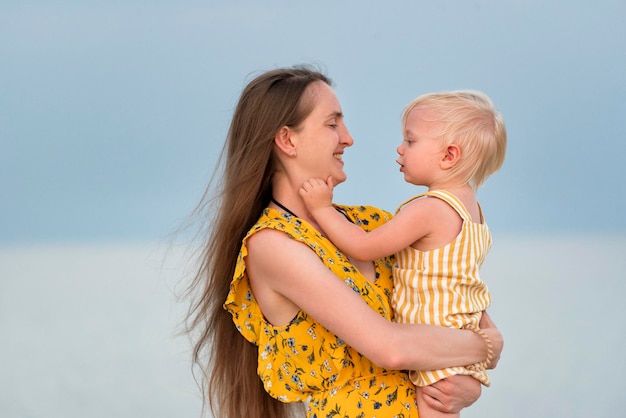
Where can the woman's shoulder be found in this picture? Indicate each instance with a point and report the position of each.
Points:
(275, 228)
(367, 217)
(272, 219)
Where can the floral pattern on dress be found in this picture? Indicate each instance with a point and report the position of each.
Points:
(303, 361)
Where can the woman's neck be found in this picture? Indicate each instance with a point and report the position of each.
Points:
(291, 203)
(287, 199)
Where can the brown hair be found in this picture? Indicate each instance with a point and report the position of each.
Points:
(469, 120)
(228, 362)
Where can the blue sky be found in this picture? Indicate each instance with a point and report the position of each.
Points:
(112, 114)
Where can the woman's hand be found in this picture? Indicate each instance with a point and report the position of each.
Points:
(452, 394)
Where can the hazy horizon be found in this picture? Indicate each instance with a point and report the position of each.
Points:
(90, 330)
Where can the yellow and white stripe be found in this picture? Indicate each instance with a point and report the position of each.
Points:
(443, 286)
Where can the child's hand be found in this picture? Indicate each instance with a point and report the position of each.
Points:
(317, 194)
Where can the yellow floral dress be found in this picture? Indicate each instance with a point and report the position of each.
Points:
(303, 361)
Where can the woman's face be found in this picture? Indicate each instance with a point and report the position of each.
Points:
(321, 139)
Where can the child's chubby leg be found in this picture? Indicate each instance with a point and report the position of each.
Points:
(426, 411)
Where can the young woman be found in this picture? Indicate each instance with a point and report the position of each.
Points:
(279, 314)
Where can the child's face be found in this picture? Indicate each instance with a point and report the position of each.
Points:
(420, 151)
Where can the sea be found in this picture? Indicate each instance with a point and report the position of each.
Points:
(93, 330)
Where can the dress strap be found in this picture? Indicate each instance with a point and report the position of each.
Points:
(453, 201)
(447, 197)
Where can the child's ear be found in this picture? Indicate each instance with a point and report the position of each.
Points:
(282, 139)
(451, 156)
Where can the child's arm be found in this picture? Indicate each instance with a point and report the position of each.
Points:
(411, 224)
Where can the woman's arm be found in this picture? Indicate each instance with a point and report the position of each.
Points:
(454, 393)
(486, 323)
(279, 266)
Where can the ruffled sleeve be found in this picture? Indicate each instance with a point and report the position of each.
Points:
(247, 315)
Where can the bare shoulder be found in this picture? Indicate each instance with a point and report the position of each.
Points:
(440, 208)
(269, 253)
(260, 239)
(439, 219)
(276, 247)
(272, 263)
(429, 209)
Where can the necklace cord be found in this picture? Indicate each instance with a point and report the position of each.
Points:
(283, 207)
(286, 209)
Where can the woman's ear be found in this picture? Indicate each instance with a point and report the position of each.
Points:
(282, 139)
(451, 156)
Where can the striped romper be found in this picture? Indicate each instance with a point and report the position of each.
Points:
(443, 286)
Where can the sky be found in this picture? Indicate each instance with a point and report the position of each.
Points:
(112, 114)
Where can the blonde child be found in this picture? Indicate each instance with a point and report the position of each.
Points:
(452, 141)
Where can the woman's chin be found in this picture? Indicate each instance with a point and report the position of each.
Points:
(339, 179)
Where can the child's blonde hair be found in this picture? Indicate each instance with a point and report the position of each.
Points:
(470, 121)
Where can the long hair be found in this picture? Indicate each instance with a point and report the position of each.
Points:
(227, 361)
(469, 120)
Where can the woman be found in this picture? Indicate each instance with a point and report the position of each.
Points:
(310, 325)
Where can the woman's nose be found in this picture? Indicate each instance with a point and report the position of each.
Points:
(345, 137)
